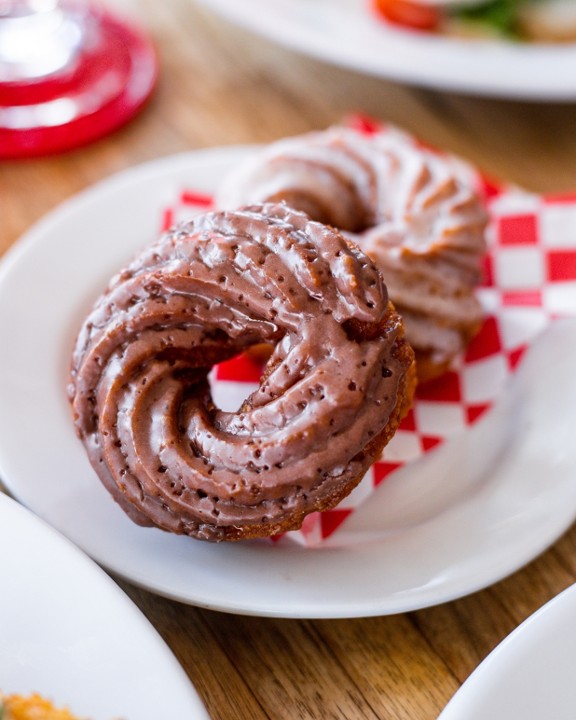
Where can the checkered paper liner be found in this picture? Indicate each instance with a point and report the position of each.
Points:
(530, 280)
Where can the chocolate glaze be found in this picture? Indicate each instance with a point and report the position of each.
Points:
(414, 213)
(331, 395)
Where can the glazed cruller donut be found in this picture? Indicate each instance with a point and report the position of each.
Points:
(332, 394)
(416, 214)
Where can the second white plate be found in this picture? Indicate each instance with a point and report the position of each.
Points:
(69, 633)
(467, 515)
(530, 675)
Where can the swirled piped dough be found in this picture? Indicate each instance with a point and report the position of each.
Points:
(416, 214)
(331, 395)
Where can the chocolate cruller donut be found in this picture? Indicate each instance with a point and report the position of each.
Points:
(332, 393)
(414, 212)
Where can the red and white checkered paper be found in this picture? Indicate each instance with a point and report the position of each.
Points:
(530, 280)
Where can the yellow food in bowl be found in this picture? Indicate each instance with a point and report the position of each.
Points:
(32, 707)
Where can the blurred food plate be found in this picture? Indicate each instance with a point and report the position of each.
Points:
(349, 33)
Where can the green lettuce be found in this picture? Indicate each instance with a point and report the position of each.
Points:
(498, 15)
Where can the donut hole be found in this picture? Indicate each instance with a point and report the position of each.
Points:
(234, 379)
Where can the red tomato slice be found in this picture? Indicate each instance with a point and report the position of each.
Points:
(408, 13)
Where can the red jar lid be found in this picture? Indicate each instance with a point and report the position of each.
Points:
(110, 81)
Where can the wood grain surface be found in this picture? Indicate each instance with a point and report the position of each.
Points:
(220, 85)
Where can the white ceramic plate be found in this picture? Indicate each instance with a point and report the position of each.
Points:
(470, 513)
(68, 632)
(349, 34)
(530, 675)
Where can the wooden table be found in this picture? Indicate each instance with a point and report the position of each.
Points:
(220, 85)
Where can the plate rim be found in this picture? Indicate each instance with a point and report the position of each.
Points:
(487, 672)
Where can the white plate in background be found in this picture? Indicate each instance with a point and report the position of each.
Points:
(530, 675)
(465, 516)
(348, 33)
(68, 632)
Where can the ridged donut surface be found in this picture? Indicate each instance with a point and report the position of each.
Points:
(331, 395)
(412, 211)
